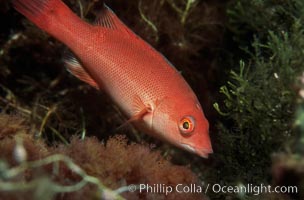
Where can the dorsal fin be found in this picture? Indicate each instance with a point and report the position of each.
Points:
(108, 19)
(75, 68)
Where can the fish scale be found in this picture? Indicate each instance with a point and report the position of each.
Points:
(139, 79)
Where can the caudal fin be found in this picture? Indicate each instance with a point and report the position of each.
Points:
(54, 17)
(39, 12)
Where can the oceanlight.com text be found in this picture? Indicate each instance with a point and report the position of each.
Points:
(215, 188)
(254, 189)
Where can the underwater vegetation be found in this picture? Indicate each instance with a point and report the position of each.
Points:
(262, 95)
(85, 169)
(244, 60)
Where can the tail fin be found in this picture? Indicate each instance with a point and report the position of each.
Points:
(52, 16)
(38, 11)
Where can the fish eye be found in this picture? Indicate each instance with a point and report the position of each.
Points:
(186, 125)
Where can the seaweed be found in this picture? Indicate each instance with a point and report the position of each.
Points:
(260, 97)
(244, 57)
(86, 168)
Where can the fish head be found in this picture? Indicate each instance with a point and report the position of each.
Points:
(183, 124)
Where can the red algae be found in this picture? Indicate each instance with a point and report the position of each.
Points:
(115, 163)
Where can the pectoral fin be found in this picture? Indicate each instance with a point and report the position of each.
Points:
(139, 111)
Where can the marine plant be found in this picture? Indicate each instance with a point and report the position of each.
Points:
(260, 96)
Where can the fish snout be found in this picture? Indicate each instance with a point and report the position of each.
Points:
(203, 152)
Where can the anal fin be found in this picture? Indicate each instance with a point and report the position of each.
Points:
(74, 66)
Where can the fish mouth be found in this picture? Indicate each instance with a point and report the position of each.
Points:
(201, 152)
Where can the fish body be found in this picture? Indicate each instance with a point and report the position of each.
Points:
(109, 56)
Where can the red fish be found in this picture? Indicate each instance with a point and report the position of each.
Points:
(142, 82)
